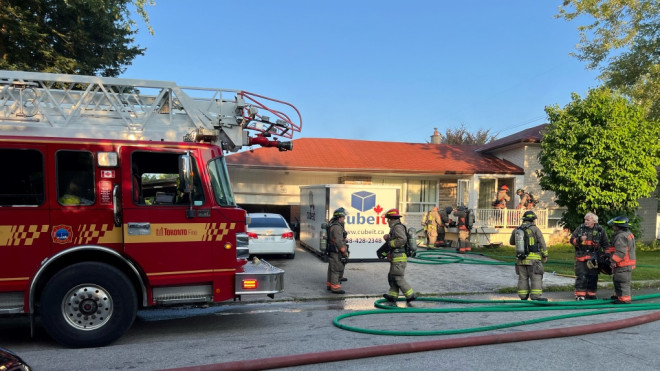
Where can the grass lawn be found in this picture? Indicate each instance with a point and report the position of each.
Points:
(561, 259)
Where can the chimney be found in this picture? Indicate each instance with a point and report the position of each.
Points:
(436, 138)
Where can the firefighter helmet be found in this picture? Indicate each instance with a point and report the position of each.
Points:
(605, 267)
(602, 262)
(392, 214)
(504, 188)
(528, 216)
(620, 221)
(339, 213)
(449, 209)
(519, 191)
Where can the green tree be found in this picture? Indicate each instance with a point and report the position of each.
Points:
(624, 39)
(461, 135)
(599, 154)
(86, 37)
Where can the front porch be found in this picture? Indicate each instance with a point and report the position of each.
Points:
(494, 227)
(507, 218)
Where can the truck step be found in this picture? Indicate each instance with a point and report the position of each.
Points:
(11, 302)
(183, 294)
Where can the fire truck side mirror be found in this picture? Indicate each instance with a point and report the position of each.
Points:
(185, 174)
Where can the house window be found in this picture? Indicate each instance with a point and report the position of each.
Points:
(487, 193)
(463, 193)
(421, 195)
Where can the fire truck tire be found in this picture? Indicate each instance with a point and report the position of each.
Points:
(88, 305)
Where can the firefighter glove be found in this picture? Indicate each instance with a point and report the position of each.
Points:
(544, 259)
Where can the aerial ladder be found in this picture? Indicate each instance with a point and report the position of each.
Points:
(61, 105)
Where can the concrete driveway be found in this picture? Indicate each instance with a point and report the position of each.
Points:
(305, 277)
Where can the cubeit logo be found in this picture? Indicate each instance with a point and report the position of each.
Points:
(311, 213)
(365, 201)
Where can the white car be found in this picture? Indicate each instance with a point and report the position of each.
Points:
(270, 234)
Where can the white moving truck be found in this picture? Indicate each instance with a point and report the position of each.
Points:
(364, 224)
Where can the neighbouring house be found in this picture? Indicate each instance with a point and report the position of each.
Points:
(522, 149)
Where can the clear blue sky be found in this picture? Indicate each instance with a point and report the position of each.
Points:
(375, 70)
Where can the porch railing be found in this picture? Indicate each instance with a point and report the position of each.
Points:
(508, 218)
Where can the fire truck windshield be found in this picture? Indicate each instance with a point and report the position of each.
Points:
(220, 182)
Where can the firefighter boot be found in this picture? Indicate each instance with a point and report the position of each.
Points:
(343, 279)
(338, 291)
(390, 298)
(412, 297)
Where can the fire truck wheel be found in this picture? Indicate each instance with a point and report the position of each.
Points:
(88, 305)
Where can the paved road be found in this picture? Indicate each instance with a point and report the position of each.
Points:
(300, 321)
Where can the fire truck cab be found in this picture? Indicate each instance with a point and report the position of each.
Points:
(94, 228)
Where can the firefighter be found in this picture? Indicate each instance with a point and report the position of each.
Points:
(72, 195)
(443, 224)
(396, 240)
(589, 240)
(337, 251)
(461, 214)
(502, 198)
(432, 221)
(423, 221)
(623, 259)
(523, 199)
(529, 268)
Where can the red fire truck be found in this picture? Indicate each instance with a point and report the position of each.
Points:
(116, 197)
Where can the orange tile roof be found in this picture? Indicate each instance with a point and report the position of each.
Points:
(347, 155)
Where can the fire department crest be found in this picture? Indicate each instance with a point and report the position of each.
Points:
(62, 234)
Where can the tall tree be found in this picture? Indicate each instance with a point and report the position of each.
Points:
(87, 37)
(624, 39)
(461, 135)
(599, 154)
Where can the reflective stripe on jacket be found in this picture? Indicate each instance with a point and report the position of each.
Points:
(624, 244)
(596, 241)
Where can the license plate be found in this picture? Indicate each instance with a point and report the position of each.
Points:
(269, 238)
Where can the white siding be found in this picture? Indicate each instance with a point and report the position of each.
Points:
(648, 211)
(274, 187)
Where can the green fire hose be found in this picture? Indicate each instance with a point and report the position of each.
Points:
(584, 308)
